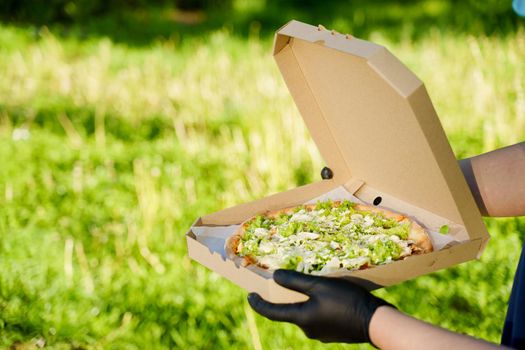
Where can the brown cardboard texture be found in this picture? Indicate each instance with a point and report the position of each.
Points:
(376, 128)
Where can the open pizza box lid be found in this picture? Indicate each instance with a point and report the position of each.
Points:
(376, 128)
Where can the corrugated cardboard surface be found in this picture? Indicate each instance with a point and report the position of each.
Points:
(376, 128)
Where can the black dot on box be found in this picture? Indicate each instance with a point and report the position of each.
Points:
(377, 200)
(327, 173)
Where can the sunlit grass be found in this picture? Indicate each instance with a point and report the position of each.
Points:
(110, 152)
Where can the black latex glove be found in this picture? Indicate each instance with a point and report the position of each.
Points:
(337, 310)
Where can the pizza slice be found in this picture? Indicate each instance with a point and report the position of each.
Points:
(326, 238)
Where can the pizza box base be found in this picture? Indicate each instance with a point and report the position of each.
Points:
(373, 278)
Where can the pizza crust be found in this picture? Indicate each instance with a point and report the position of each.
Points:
(422, 243)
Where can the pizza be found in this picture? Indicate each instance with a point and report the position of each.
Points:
(326, 238)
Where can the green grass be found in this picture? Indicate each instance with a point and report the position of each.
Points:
(110, 151)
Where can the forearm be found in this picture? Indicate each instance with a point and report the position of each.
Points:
(391, 329)
(497, 180)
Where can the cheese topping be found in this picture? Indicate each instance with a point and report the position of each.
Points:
(325, 239)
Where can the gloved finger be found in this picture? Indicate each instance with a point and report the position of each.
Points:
(295, 280)
(275, 312)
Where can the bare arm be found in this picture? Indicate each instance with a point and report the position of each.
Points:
(391, 329)
(497, 180)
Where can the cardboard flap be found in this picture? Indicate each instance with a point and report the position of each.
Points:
(372, 120)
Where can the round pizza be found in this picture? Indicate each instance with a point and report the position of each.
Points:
(326, 238)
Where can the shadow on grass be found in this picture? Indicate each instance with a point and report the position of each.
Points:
(395, 19)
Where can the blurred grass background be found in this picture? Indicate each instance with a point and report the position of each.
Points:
(120, 124)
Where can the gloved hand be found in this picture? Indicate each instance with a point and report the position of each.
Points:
(337, 310)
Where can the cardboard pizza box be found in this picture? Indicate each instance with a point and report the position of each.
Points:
(376, 128)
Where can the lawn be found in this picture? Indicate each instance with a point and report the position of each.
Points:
(111, 147)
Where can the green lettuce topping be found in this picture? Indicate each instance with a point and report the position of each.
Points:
(292, 262)
(325, 237)
(401, 230)
(381, 251)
